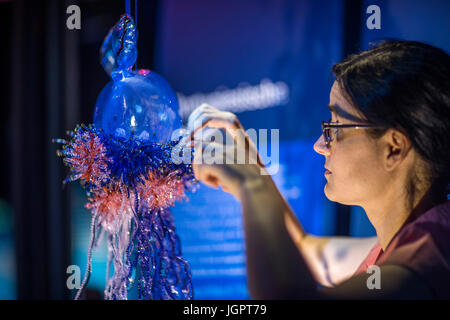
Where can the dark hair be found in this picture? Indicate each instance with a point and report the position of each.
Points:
(405, 85)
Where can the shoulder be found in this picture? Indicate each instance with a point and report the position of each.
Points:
(423, 247)
(430, 230)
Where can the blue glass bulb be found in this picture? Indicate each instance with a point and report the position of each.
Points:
(133, 104)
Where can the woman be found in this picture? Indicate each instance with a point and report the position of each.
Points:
(386, 149)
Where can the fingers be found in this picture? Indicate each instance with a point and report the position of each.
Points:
(227, 166)
(212, 153)
(207, 115)
(205, 110)
(199, 110)
(238, 147)
(206, 166)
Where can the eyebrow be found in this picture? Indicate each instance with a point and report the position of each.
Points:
(337, 110)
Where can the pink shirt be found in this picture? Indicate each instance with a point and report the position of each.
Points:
(422, 246)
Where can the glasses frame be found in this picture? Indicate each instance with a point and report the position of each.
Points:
(327, 125)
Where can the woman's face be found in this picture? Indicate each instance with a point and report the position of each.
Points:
(353, 159)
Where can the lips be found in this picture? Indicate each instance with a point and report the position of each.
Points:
(327, 171)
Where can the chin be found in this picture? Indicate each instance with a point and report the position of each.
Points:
(328, 193)
(332, 196)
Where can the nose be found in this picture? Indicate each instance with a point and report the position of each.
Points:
(320, 146)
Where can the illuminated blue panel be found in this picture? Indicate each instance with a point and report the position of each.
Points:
(210, 228)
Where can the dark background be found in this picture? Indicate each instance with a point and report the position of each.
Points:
(51, 77)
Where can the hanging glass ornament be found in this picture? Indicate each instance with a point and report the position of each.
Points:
(123, 160)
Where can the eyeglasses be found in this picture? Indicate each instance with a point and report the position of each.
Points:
(330, 135)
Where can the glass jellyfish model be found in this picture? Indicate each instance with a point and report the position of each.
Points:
(124, 161)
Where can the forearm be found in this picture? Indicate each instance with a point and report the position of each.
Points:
(276, 269)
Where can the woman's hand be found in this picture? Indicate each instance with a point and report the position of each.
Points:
(275, 266)
(224, 154)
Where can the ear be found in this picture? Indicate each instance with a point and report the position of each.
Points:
(396, 147)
